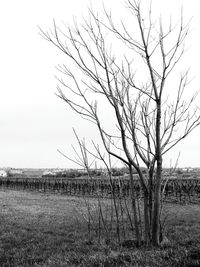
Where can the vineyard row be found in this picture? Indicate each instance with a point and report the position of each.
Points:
(180, 189)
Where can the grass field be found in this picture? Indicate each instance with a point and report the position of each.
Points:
(39, 229)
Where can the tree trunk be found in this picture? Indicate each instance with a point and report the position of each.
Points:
(134, 209)
(150, 196)
(147, 232)
(156, 211)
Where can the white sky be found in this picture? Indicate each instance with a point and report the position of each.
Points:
(34, 123)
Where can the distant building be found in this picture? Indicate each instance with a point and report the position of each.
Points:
(3, 173)
(187, 169)
(82, 171)
(15, 172)
(33, 173)
(49, 173)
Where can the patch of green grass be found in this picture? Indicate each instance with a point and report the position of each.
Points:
(44, 230)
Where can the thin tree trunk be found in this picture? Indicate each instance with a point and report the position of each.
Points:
(115, 208)
(147, 232)
(134, 208)
(150, 197)
(156, 211)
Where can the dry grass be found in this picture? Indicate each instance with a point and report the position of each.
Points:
(50, 230)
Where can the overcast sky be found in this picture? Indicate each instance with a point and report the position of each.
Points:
(34, 123)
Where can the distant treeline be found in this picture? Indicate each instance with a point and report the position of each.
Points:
(72, 173)
(92, 173)
(95, 173)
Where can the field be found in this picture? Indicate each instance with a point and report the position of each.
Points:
(43, 229)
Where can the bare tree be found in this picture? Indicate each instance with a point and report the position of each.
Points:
(147, 123)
